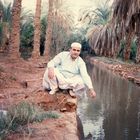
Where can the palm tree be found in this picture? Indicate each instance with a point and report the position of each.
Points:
(138, 39)
(99, 30)
(123, 26)
(98, 16)
(37, 30)
(5, 23)
(126, 13)
(49, 30)
(58, 28)
(15, 31)
(62, 26)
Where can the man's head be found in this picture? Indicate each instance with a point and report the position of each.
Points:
(75, 50)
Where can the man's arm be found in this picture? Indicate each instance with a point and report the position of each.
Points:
(87, 80)
(51, 73)
(55, 61)
(52, 64)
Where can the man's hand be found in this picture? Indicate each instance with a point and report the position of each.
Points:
(50, 73)
(92, 93)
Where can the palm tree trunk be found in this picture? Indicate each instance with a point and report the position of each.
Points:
(127, 48)
(37, 30)
(5, 37)
(138, 50)
(48, 37)
(15, 32)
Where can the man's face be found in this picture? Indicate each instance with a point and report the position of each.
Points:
(75, 52)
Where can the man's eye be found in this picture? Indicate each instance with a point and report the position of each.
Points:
(76, 50)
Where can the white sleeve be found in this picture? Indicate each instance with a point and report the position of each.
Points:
(85, 76)
(55, 61)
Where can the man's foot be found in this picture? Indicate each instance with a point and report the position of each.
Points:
(53, 91)
(72, 94)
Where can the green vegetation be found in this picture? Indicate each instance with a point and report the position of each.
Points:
(22, 114)
(100, 30)
(133, 50)
(5, 22)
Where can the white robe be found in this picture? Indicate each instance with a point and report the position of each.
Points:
(69, 74)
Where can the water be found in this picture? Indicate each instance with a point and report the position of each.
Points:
(115, 113)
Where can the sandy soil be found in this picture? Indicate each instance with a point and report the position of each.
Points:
(22, 80)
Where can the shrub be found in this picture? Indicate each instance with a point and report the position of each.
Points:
(22, 114)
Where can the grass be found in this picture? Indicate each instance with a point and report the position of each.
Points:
(21, 114)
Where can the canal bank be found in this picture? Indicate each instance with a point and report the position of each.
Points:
(129, 71)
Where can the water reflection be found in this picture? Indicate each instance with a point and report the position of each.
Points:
(115, 113)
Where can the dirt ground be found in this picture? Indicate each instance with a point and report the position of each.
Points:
(22, 80)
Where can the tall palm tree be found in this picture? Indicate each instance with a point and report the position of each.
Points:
(49, 30)
(62, 25)
(123, 26)
(99, 30)
(37, 29)
(5, 23)
(59, 26)
(126, 13)
(15, 32)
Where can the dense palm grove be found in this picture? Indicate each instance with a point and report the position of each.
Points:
(111, 31)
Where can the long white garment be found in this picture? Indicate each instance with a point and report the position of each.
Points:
(59, 81)
(70, 74)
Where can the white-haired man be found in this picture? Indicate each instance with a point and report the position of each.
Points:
(67, 70)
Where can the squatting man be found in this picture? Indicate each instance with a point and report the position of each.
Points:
(67, 70)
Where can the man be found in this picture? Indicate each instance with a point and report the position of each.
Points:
(67, 70)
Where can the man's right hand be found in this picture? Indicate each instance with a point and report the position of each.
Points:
(50, 73)
(92, 93)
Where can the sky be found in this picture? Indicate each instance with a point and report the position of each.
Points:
(74, 5)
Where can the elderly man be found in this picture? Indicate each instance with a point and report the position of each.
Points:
(67, 70)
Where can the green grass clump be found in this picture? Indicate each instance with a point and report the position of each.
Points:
(22, 114)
